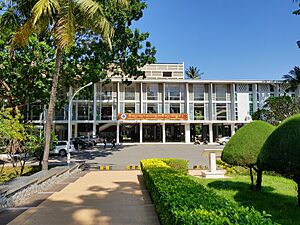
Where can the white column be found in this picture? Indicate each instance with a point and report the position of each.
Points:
(164, 133)
(118, 133)
(210, 99)
(187, 133)
(95, 109)
(254, 88)
(277, 90)
(232, 101)
(212, 162)
(118, 98)
(141, 97)
(210, 128)
(163, 97)
(141, 133)
(232, 126)
(187, 102)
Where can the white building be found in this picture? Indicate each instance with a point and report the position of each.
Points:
(165, 107)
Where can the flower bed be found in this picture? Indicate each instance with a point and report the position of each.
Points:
(180, 200)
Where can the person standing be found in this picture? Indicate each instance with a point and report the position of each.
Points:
(104, 142)
(113, 142)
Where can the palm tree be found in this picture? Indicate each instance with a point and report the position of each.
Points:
(62, 19)
(293, 78)
(193, 73)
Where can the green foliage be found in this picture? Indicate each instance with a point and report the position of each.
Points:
(9, 173)
(29, 71)
(193, 73)
(277, 109)
(278, 196)
(245, 145)
(179, 199)
(281, 152)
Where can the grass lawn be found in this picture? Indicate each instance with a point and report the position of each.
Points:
(278, 196)
(8, 172)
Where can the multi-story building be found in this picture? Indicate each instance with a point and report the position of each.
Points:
(165, 107)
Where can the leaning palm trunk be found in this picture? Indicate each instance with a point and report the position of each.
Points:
(51, 106)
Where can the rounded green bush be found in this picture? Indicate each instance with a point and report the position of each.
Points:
(281, 152)
(244, 147)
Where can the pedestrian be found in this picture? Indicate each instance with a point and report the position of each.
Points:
(104, 142)
(113, 142)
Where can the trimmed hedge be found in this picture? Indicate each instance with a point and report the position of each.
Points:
(244, 147)
(179, 199)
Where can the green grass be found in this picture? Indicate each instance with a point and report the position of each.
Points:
(278, 196)
(8, 173)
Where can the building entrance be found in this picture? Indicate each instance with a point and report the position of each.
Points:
(199, 132)
(129, 133)
(175, 133)
(221, 130)
(152, 133)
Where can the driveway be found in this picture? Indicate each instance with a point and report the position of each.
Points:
(125, 155)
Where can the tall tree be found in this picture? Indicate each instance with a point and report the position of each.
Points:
(193, 73)
(293, 78)
(277, 109)
(62, 19)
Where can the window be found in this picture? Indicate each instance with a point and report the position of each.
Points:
(173, 92)
(221, 111)
(271, 88)
(152, 108)
(174, 108)
(250, 109)
(220, 92)
(129, 108)
(106, 92)
(198, 92)
(167, 74)
(250, 87)
(129, 92)
(251, 97)
(85, 111)
(199, 111)
(152, 92)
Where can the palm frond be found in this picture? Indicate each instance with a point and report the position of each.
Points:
(22, 34)
(46, 8)
(95, 18)
(64, 28)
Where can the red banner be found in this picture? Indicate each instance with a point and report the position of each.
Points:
(152, 116)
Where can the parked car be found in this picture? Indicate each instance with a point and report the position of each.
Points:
(60, 148)
(223, 140)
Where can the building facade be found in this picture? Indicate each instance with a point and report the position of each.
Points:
(165, 107)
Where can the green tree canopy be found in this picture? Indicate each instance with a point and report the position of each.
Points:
(281, 151)
(245, 145)
(277, 109)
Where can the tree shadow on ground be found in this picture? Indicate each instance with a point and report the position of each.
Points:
(126, 203)
(283, 208)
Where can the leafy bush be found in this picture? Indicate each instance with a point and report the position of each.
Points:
(281, 152)
(244, 147)
(181, 200)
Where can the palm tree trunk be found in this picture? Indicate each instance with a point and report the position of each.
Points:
(51, 106)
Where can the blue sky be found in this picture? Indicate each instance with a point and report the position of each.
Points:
(226, 39)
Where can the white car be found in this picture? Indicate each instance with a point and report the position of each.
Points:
(60, 148)
(223, 140)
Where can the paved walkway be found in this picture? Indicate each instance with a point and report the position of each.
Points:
(102, 198)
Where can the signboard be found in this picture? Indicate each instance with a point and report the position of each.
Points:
(152, 116)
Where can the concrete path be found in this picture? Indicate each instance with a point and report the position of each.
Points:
(102, 198)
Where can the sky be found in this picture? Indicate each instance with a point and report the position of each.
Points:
(225, 39)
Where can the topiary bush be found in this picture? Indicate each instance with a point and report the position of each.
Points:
(180, 200)
(281, 151)
(244, 147)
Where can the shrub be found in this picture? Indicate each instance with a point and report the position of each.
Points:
(281, 152)
(244, 147)
(179, 199)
